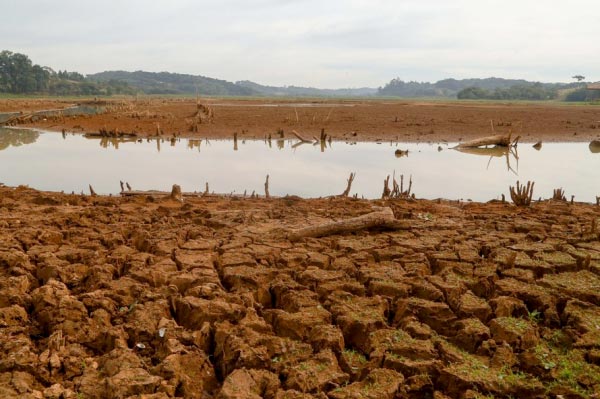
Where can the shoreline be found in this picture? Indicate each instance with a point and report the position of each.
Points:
(364, 121)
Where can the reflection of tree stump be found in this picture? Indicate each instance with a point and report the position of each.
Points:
(176, 193)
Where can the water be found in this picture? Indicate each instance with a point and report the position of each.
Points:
(51, 161)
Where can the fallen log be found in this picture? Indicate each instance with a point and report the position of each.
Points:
(383, 217)
(503, 140)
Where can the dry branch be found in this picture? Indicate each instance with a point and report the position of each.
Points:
(348, 186)
(383, 217)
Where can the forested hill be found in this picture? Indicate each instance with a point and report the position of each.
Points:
(18, 75)
(174, 83)
(489, 88)
(296, 91)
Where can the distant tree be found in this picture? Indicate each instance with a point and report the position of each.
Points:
(18, 74)
(473, 93)
(578, 77)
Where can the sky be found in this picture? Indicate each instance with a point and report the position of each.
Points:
(318, 43)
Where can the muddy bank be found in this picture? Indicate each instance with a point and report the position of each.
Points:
(343, 120)
(105, 297)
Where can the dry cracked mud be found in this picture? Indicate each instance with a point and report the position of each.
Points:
(104, 297)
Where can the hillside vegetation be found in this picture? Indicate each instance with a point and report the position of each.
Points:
(18, 75)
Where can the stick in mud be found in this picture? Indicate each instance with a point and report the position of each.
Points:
(349, 185)
(92, 192)
(267, 195)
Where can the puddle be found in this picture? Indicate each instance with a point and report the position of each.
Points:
(51, 161)
(70, 111)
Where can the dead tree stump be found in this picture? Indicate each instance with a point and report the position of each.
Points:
(176, 193)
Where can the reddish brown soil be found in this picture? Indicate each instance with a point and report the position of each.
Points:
(104, 297)
(343, 120)
(14, 105)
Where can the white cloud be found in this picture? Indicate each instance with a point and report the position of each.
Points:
(306, 42)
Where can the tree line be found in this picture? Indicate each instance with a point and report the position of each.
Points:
(18, 75)
(536, 92)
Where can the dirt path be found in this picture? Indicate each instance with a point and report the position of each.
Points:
(343, 120)
(104, 297)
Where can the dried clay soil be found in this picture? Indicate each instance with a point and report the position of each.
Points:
(143, 297)
(408, 121)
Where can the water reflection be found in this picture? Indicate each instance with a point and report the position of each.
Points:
(313, 169)
(495, 152)
(17, 137)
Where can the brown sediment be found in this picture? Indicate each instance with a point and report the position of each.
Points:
(110, 297)
(352, 120)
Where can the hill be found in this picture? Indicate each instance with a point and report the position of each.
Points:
(296, 91)
(497, 88)
(173, 83)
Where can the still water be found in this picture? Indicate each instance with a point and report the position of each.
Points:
(51, 161)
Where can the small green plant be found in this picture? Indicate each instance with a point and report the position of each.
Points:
(534, 316)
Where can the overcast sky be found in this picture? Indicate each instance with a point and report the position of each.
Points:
(321, 43)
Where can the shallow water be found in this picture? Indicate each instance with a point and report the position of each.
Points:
(51, 161)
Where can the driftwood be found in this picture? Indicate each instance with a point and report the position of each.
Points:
(384, 217)
(503, 140)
